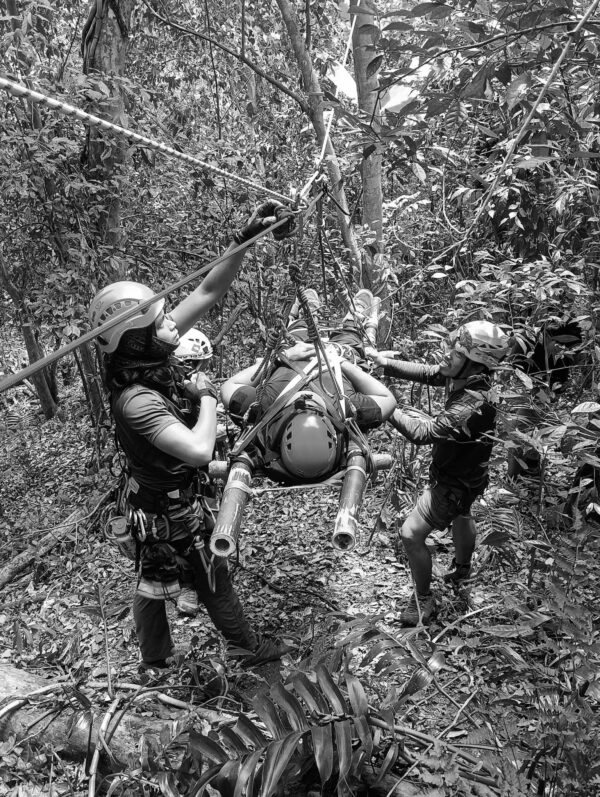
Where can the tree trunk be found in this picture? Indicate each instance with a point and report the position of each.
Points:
(41, 379)
(312, 87)
(90, 379)
(364, 44)
(104, 49)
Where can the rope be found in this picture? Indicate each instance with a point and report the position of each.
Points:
(18, 90)
(306, 188)
(25, 373)
(13, 379)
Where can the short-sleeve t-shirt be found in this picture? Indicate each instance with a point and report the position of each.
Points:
(140, 414)
(365, 409)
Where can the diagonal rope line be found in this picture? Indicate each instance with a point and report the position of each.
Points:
(331, 111)
(305, 189)
(19, 90)
(25, 373)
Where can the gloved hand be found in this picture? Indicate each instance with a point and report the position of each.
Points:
(264, 216)
(379, 357)
(200, 386)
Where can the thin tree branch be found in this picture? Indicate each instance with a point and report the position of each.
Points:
(477, 45)
(273, 81)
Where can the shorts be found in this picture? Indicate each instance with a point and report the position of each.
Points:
(439, 505)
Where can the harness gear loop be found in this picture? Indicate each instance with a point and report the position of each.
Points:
(208, 564)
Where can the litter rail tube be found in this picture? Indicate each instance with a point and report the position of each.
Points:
(223, 540)
(345, 530)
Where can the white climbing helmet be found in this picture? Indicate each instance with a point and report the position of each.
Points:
(309, 446)
(115, 299)
(194, 346)
(480, 341)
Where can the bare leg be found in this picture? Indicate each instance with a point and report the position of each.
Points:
(414, 532)
(464, 532)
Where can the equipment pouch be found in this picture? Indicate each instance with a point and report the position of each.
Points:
(118, 530)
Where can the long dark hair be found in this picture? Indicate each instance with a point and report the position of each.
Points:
(141, 359)
(118, 375)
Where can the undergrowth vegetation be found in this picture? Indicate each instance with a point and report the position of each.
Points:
(485, 132)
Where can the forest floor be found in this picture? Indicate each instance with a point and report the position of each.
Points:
(507, 675)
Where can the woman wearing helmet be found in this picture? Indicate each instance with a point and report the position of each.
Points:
(462, 445)
(166, 426)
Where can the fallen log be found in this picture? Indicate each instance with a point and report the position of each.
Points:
(55, 713)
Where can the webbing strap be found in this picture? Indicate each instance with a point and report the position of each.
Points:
(249, 435)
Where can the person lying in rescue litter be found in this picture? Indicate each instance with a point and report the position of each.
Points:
(166, 427)
(462, 445)
(303, 429)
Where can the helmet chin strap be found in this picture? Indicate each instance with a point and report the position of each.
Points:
(463, 368)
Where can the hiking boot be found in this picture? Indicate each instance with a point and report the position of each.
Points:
(187, 602)
(366, 309)
(410, 615)
(458, 573)
(267, 650)
(154, 668)
(312, 297)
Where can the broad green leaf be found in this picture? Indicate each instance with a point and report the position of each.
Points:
(363, 731)
(322, 738)
(310, 694)
(331, 690)
(441, 12)
(373, 66)
(438, 105)
(422, 9)
(392, 661)
(277, 758)
(343, 741)
(290, 705)
(199, 786)
(476, 87)
(586, 406)
(246, 772)
(267, 712)
(376, 650)
(358, 637)
(401, 26)
(496, 538)
(524, 378)
(518, 89)
(201, 744)
(358, 698)
(250, 733)
(234, 742)
(388, 762)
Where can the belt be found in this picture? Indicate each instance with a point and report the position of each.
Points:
(154, 501)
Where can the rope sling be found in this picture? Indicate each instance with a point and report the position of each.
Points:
(310, 375)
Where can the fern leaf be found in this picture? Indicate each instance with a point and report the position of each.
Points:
(331, 690)
(322, 739)
(291, 705)
(267, 712)
(277, 758)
